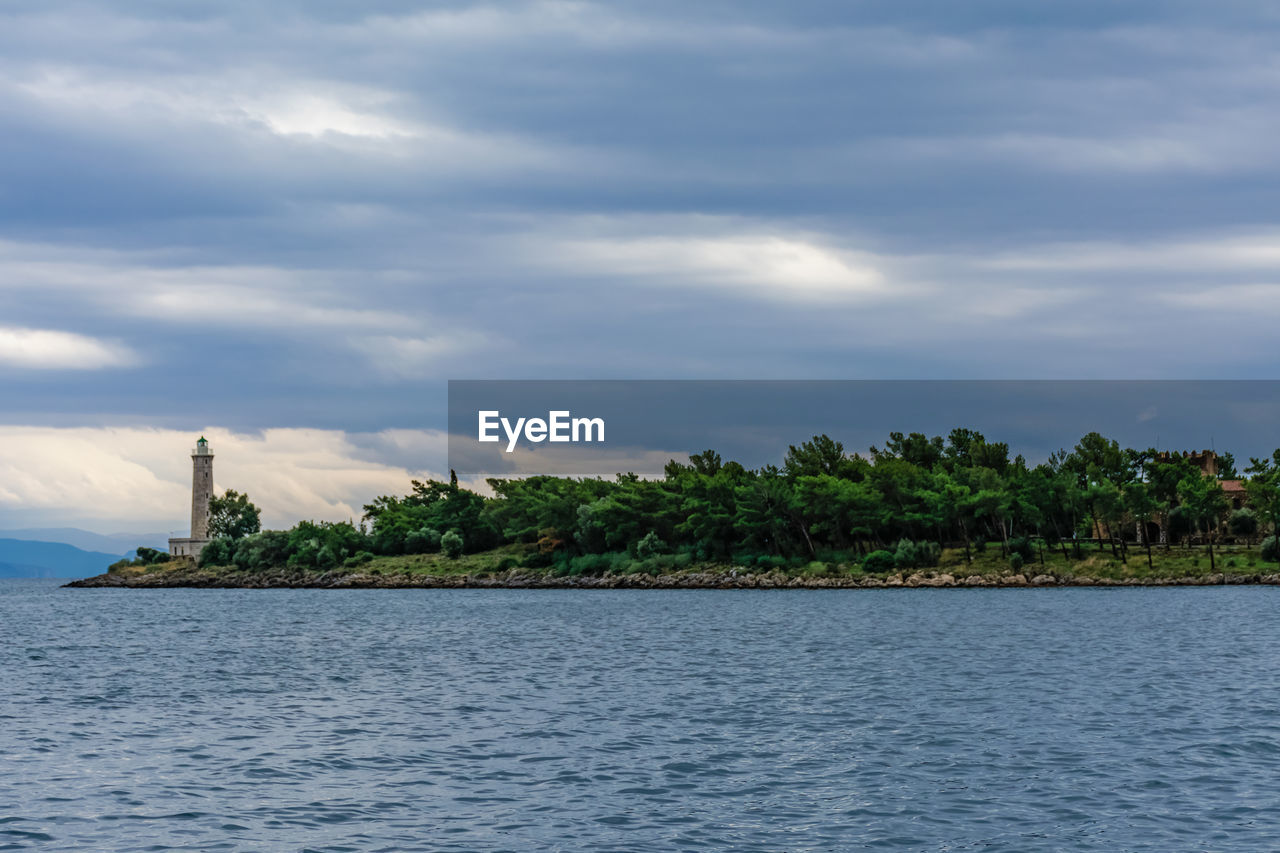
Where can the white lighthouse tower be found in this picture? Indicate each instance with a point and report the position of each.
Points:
(201, 494)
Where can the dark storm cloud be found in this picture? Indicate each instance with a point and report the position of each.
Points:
(314, 213)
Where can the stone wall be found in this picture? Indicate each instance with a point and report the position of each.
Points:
(188, 547)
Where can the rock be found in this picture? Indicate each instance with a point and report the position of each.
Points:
(1043, 580)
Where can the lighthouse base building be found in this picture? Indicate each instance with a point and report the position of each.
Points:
(201, 494)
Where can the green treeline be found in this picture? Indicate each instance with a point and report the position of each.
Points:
(897, 508)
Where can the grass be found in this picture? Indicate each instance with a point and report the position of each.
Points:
(1172, 563)
(1175, 562)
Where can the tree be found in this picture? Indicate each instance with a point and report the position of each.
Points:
(435, 504)
(1243, 523)
(821, 455)
(1263, 488)
(1180, 526)
(1106, 503)
(1096, 458)
(451, 545)
(424, 541)
(259, 551)
(1163, 477)
(968, 448)
(1206, 503)
(1227, 466)
(232, 516)
(149, 556)
(762, 519)
(217, 553)
(650, 546)
(955, 504)
(1141, 505)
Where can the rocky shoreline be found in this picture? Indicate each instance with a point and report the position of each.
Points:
(693, 580)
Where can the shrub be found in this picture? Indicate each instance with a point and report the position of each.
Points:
(1016, 561)
(652, 566)
(878, 562)
(930, 553)
(650, 546)
(597, 564)
(1243, 522)
(1180, 523)
(1021, 545)
(424, 541)
(451, 544)
(1271, 550)
(980, 544)
(266, 550)
(589, 564)
(916, 555)
(537, 559)
(389, 540)
(304, 557)
(219, 552)
(325, 558)
(150, 556)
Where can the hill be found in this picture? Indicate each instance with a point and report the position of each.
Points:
(87, 540)
(22, 558)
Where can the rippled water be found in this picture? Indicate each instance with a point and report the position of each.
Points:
(1018, 720)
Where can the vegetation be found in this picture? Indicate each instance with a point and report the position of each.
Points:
(917, 504)
(232, 516)
(144, 557)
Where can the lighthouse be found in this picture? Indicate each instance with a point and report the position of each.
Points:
(201, 488)
(201, 494)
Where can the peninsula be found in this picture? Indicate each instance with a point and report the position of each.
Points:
(919, 512)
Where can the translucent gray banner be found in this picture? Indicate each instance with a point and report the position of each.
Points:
(591, 428)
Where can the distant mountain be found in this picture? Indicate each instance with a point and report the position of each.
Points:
(111, 543)
(20, 558)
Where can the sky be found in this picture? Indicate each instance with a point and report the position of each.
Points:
(287, 224)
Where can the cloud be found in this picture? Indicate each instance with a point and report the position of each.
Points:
(767, 266)
(1261, 299)
(113, 478)
(316, 216)
(1214, 253)
(136, 284)
(413, 357)
(46, 349)
(292, 123)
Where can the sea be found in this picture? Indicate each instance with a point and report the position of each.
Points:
(623, 720)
